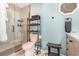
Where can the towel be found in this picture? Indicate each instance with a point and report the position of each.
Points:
(3, 19)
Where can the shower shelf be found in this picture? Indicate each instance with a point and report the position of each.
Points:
(33, 31)
(34, 24)
(33, 19)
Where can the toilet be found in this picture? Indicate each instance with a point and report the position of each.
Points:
(28, 47)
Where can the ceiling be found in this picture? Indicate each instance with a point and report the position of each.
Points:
(21, 5)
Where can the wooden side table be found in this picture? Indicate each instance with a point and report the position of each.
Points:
(56, 46)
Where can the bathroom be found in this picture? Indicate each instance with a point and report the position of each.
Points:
(52, 28)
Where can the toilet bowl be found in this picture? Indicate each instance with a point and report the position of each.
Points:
(28, 47)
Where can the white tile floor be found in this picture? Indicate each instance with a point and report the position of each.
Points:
(22, 53)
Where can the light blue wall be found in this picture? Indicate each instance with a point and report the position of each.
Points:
(52, 29)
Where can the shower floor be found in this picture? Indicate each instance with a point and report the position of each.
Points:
(8, 46)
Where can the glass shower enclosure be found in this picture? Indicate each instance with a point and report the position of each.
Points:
(14, 31)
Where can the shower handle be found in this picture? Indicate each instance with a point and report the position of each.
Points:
(13, 28)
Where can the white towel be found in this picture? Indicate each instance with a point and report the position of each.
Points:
(3, 19)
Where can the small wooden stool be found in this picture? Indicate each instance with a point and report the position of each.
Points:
(56, 46)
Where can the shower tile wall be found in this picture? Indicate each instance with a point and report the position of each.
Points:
(24, 16)
(20, 14)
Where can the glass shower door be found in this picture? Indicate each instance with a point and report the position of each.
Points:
(6, 48)
(16, 28)
(12, 28)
